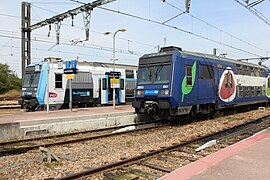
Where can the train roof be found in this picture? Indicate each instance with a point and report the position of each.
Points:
(109, 65)
(212, 56)
(93, 64)
(172, 49)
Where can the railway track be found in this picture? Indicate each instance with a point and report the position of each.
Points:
(157, 163)
(10, 98)
(9, 103)
(24, 145)
(10, 106)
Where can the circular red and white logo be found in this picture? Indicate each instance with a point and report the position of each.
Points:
(52, 95)
(227, 86)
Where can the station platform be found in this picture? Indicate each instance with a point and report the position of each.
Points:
(248, 159)
(23, 123)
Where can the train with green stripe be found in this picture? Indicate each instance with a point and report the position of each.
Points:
(175, 83)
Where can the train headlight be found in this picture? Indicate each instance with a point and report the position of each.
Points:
(164, 92)
(140, 92)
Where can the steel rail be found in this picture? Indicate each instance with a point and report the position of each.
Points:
(74, 133)
(10, 106)
(23, 149)
(135, 159)
(9, 98)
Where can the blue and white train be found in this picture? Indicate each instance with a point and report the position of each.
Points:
(91, 86)
(174, 83)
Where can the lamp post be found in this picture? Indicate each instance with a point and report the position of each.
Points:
(114, 34)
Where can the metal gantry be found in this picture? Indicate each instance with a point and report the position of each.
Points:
(187, 3)
(27, 28)
(26, 35)
(250, 6)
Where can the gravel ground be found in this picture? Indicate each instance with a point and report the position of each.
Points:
(9, 111)
(102, 151)
(2, 103)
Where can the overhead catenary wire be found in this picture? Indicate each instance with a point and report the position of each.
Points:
(215, 27)
(56, 51)
(53, 12)
(192, 34)
(81, 28)
(35, 35)
(177, 28)
(65, 52)
(163, 22)
(96, 47)
(52, 3)
(255, 12)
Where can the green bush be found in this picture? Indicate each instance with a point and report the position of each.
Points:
(8, 79)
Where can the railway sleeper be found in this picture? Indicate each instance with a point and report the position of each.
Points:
(183, 157)
(120, 176)
(164, 158)
(157, 167)
(191, 152)
(142, 173)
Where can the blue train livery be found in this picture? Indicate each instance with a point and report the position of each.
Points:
(173, 83)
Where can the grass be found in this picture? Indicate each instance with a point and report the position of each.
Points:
(53, 164)
(129, 143)
(11, 93)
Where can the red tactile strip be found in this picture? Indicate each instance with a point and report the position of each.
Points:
(214, 159)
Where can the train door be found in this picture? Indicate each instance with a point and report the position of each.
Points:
(268, 87)
(118, 83)
(111, 81)
(108, 83)
(103, 92)
(206, 83)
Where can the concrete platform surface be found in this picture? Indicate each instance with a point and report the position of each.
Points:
(43, 115)
(24, 123)
(248, 159)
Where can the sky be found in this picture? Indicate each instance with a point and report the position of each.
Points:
(221, 24)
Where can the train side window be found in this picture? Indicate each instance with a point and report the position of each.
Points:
(258, 91)
(261, 73)
(205, 72)
(246, 70)
(122, 84)
(252, 71)
(104, 84)
(263, 91)
(239, 68)
(257, 73)
(58, 81)
(252, 91)
(188, 75)
(240, 91)
(130, 74)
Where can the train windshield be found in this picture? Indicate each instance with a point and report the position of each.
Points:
(157, 74)
(31, 78)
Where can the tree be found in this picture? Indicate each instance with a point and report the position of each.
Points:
(8, 79)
